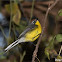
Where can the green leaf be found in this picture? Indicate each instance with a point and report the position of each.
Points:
(47, 52)
(59, 38)
(60, 12)
(59, 57)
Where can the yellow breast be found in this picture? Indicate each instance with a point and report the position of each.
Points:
(33, 34)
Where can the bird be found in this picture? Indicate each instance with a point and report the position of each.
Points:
(30, 34)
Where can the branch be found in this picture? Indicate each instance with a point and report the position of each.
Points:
(0, 5)
(32, 9)
(42, 8)
(60, 50)
(37, 46)
(3, 32)
(25, 4)
(10, 17)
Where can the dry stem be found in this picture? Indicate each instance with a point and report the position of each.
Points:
(37, 46)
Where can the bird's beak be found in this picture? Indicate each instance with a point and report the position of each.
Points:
(11, 45)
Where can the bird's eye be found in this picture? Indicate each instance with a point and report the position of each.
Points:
(33, 22)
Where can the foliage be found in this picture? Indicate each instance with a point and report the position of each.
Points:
(2, 56)
(15, 12)
(59, 38)
(50, 48)
(60, 12)
(18, 25)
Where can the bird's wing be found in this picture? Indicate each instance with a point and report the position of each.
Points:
(20, 39)
(30, 27)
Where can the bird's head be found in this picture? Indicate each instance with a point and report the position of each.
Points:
(36, 22)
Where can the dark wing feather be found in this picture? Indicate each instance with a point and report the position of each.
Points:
(30, 27)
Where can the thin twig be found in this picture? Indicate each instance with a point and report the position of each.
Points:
(37, 59)
(32, 9)
(42, 8)
(10, 17)
(14, 31)
(0, 5)
(22, 56)
(26, 4)
(21, 10)
(37, 46)
(60, 50)
(3, 32)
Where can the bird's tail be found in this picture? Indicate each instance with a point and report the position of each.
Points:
(14, 44)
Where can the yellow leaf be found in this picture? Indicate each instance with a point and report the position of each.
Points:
(16, 17)
(14, 7)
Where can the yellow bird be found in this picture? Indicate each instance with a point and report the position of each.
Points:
(32, 32)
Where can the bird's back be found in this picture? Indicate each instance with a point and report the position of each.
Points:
(33, 34)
